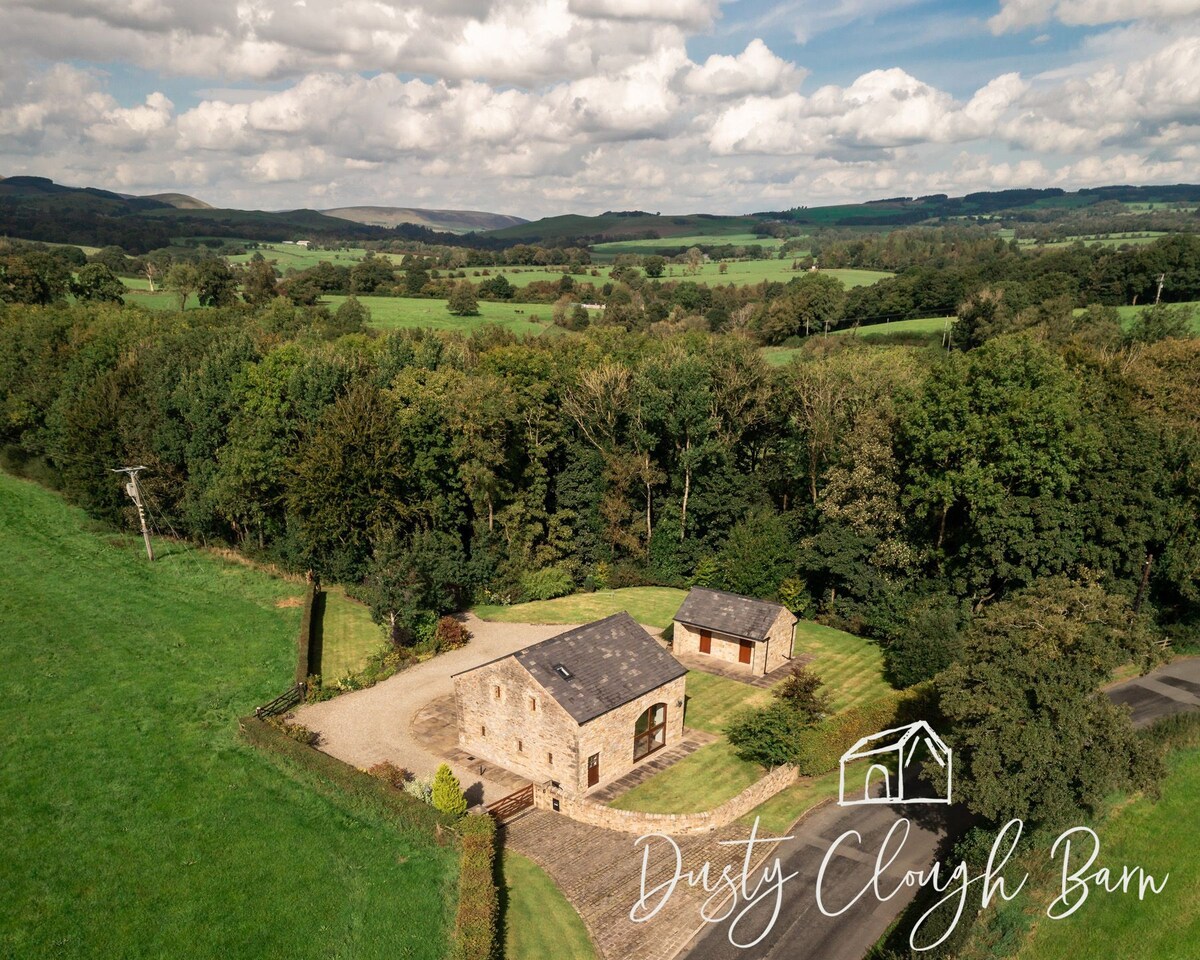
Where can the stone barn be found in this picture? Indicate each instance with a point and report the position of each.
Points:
(746, 634)
(578, 710)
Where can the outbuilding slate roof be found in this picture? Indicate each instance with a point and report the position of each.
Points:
(610, 662)
(729, 613)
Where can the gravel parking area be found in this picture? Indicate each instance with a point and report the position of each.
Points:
(369, 726)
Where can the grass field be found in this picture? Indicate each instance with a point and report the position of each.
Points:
(136, 824)
(647, 247)
(539, 922)
(289, 256)
(394, 313)
(348, 635)
(851, 667)
(653, 606)
(1162, 838)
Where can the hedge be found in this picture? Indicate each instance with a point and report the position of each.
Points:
(820, 747)
(303, 667)
(395, 805)
(478, 898)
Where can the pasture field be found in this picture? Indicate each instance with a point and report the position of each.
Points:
(647, 247)
(395, 313)
(749, 272)
(1160, 837)
(652, 606)
(289, 256)
(136, 824)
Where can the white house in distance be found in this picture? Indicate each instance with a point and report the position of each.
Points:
(747, 634)
(907, 748)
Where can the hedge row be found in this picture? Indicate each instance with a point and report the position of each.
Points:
(395, 805)
(820, 747)
(304, 668)
(478, 899)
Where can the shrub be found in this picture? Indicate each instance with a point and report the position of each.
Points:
(793, 594)
(448, 793)
(800, 690)
(421, 788)
(767, 736)
(478, 899)
(390, 774)
(451, 634)
(296, 731)
(546, 584)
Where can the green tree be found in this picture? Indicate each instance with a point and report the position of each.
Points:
(34, 277)
(216, 286)
(462, 301)
(1034, 736)
(769, 736)
(654, 266)
(182, 279)
(416, 274)
(448, 794)
(497, 288)
(259, 281)
(96, 282)
(1163, 322)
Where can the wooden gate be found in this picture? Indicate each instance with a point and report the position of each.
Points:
(512, 806)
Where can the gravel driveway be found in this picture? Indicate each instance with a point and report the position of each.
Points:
(369, 726)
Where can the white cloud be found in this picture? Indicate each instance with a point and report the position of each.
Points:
(1018, 14)
(755, 70)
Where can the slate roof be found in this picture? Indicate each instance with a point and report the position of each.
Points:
(729, 613)
(611, 662)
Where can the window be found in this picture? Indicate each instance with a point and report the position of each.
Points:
(650, 731)
(533, 704)
(496, 691)
(520, 746)
(482, 731)
(549, 759)
(563, 671)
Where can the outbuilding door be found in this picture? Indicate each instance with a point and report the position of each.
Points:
(705, 641)
(745, 651)
(593, 769)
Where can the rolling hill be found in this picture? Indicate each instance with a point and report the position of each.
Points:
(450, 221)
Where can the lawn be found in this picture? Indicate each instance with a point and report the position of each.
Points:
(348, 635)
(647, 247)
(539, 922)
(653, 606)
(713, 700)
(920, 325)
(699, 782)
(777, 815)
(851, 667)
(1162, 838)
(393, 313)
(136, 824)
(290, 256)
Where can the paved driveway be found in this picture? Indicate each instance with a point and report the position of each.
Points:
(1170, 689)
(369, 726)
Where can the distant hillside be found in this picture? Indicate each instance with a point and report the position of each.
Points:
(36, 208)
(451, 221)
(626, 225)
(180, 201)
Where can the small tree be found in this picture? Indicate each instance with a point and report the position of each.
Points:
(767, 736)
(800, 691)
(462, 302)
(447, 792)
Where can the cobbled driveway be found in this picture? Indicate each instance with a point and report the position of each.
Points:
(369, 726)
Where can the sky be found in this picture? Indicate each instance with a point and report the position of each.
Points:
(543, 107)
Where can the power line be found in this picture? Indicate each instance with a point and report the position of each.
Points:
(135, 494)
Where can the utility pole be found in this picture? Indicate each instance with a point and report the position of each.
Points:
(135, 494)
(1158, 295)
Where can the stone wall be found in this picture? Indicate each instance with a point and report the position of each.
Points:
(672, 824)
(524, 729)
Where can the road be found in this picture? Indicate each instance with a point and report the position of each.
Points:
(802, 932)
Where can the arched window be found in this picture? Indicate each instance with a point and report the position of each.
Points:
(650, 731)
